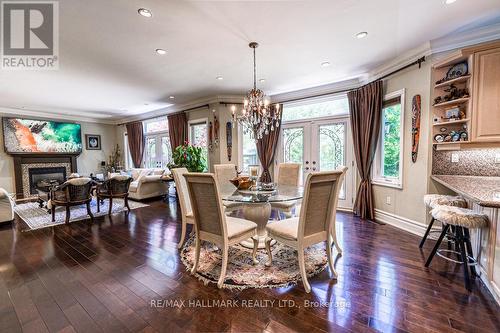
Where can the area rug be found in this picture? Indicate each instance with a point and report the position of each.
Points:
(242, 274)
(37, 218)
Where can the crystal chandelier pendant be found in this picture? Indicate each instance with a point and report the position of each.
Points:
(257, 117)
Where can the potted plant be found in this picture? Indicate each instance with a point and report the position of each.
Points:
(189, 157)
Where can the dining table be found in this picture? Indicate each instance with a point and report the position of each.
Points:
(256, 204)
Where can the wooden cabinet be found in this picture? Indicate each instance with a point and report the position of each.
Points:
(486, 96)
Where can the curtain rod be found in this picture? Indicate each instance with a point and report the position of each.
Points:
(158, 116)
(418, 62)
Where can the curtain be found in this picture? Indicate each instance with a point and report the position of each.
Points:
(365, 108)
(177, 129)
(135, 135)
(266, 148)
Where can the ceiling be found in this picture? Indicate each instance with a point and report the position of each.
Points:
(109, 67)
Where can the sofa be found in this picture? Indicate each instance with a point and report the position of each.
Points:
(6, 207)
(147, 183)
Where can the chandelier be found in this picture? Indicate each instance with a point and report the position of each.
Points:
(257, 117)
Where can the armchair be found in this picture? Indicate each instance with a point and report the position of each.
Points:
(6, 207)
(115, 187)
(74, 192)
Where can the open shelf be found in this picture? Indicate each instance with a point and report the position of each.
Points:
(442, 123)
(452, 102)
(457, 80)
(450, 143)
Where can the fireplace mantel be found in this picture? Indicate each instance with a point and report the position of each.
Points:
(20, 159)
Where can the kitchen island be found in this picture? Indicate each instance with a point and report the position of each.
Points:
(483, 195)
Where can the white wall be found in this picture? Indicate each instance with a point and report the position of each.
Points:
(88, 162)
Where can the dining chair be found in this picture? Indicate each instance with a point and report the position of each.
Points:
(223, 174)
(316, 222)
(211, 223)
(184, 201)
(289, 175)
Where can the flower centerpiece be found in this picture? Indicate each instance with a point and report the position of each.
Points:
(189, 157)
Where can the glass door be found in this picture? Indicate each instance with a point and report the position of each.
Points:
(158, 151)
(320, 145)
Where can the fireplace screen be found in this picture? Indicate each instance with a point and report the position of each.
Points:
(38, 176)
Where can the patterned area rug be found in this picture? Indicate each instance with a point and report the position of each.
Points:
(37, 218)
(241, 274)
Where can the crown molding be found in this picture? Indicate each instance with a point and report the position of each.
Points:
(18, 112)
(325, 89)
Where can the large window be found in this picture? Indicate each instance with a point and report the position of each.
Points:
(158, 152)
(331, 106)
(198, 136)
(388, 166)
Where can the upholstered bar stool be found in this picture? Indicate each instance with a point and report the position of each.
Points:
(433, 200)
(461, 219)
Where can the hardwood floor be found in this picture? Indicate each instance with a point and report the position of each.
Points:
(104, 277)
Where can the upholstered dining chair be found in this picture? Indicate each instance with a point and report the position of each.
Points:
(184, 201)
(212, 224)
(288, 174)
(316, 222)
(223, 174)
(115, 187)
(73, 192)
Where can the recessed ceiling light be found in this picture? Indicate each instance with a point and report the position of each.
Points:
(161, 51)
(361, 34)
(325, 64)
(449, 2)
(145, 12)
(220, 78)
(262, 80)
(171, 97)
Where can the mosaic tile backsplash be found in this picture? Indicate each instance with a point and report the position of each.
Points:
(471, 162)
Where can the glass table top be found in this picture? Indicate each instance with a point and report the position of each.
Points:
(281, 194)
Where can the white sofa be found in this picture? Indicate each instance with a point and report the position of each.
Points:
(6, 207)
(147, 183)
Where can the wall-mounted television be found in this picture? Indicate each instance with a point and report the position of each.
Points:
(29, 136)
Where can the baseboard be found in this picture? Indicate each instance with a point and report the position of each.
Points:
(400, 222)
(345, 209)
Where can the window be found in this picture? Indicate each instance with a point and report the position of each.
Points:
(198, 136)
(331, 106)
(388, 164)
(158, 152)
(248, 152)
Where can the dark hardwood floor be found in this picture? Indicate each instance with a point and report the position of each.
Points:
(104, 277)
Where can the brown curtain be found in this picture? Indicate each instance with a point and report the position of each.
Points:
(135, 135)
(365, 108)
(177, 129)
(266, 148)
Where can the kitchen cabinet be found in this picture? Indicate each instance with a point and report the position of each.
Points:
(486, 96)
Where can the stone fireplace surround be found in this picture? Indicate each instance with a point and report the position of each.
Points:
(22, 164)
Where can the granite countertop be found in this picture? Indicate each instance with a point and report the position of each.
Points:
(485, 191)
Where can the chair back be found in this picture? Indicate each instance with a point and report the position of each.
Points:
(289, 174)
(207, 207)
(224, 173)
(321, 193)
(118, 185)
(182, 190)
(74, 190)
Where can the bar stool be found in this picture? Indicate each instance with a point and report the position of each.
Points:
(462, 220)
(433, 200)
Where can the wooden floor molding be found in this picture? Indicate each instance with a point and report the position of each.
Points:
(123, 274)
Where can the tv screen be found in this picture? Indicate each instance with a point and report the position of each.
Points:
(41, 136)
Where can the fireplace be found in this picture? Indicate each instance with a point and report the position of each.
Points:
(46, 175)
(31, 169)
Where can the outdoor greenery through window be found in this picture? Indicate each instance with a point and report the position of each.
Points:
(249, 152)
(198, 136)
(388, 166)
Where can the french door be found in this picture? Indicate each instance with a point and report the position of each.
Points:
(320, 145)
(158, 151)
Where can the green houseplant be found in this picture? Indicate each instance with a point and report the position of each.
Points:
(189, 157)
